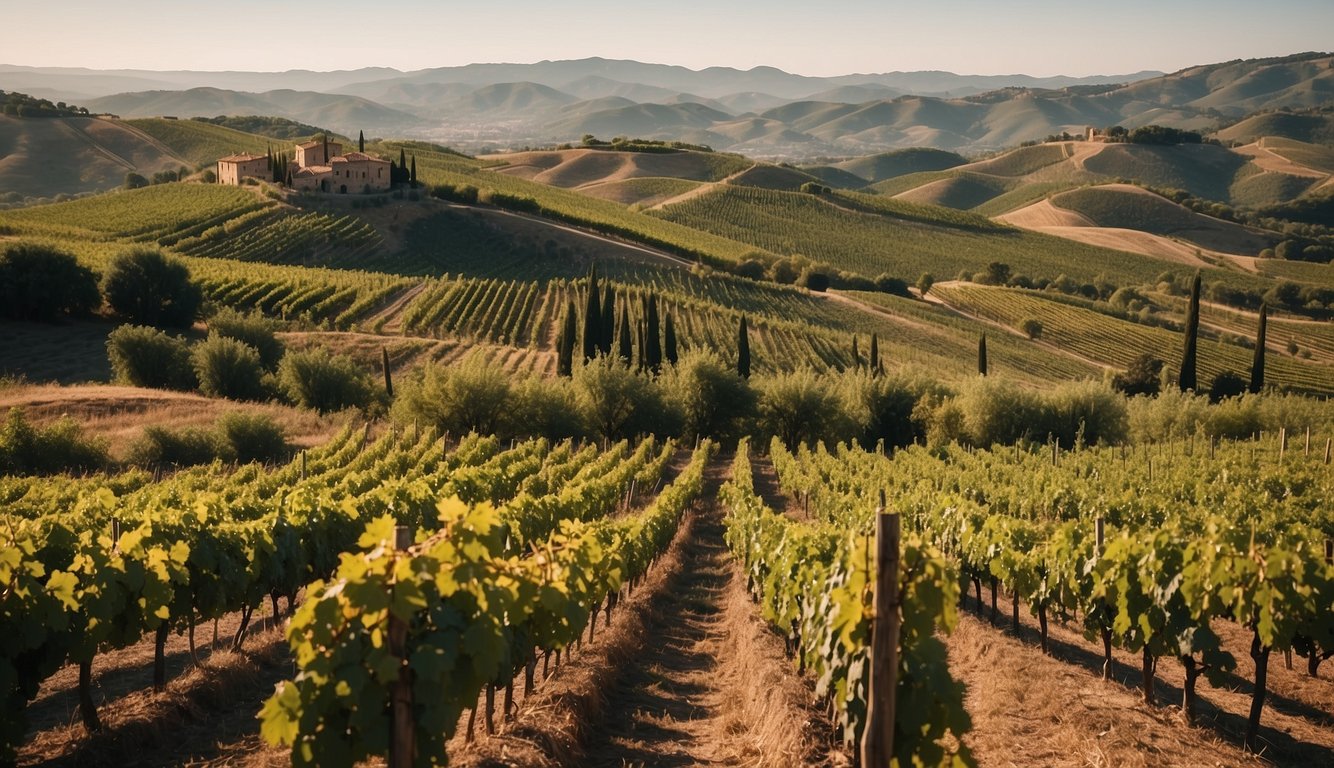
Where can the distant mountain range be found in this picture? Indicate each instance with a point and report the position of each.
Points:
(763, 112)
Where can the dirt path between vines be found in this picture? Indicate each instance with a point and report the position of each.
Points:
(711, 686)
(688, 675)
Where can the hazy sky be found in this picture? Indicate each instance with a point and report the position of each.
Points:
(1075, 37)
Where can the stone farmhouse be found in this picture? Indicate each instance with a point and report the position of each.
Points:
(233, 168)
(319, 166)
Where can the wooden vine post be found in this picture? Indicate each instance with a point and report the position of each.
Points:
(877, 747)
(402, 744)
(1106, 630)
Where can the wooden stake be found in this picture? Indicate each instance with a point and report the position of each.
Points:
(1282, 442)
(1307, 452)
(877, 745)
(1328, 440)
(403, 740)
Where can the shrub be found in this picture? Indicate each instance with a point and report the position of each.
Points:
(750, 268)
(889, 284)
(146, 357)
(712, 400)
(38, 282)
(618, 402)
(317, 379)
(228, 368)
(1227, 384)
(162, 446)
(29, 450)
(546, 407)
(1143, 377)
(1171, 415)
(883, 408)
(471, 395)
(1032, 327)
(254, 330)
(997, 411)
(925, 281)
(1086, 412)
(797, 407)
(815, 281)
(150, 288)
(247, 437)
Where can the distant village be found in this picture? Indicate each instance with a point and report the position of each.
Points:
(318, 166)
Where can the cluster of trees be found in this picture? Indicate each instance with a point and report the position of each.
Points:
(626, 144)
(31, 449)
(702, 394)
(137, 181)
(16, 104)
(1145, 374)
(651, 342)
(242, 359)
(142, 285)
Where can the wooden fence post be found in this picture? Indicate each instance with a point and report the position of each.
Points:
(402, 744)
(1282, 442)
(877, 745)
(1328, 441)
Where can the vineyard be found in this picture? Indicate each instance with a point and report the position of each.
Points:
(92, 570)
(870, 237)
(1117, 342)
(1162, 552)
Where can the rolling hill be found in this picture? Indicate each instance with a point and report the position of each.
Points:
(762, 112)
(45, 157)
(345, 114)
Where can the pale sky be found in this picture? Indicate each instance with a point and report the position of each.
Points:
(1036, 37)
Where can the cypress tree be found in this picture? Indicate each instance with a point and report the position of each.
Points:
(413, 178)
(982, 354)
(592, 317)
(875, 355)
(361, 141)
(607, 328)
(402, 166)
(626, 343)
(1186, 379)
(1258, 362)
(743, 350)
(326, 149)
(669, 339)
(565, 343)
(856, 355)
(388, 380)
(652, 337)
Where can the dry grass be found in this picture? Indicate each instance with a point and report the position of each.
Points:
(70, 353)
(120, 413)
(206, 714)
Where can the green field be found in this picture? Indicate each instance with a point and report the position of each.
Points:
(1117, 342)
(202, 143)
(871, 244)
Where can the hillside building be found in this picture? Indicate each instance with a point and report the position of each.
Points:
(317, 153)
(233, 168)
(318, 166)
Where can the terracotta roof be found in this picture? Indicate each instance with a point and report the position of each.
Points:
(357, 157)
(314, 170)
(244, 157)
(313, 144)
